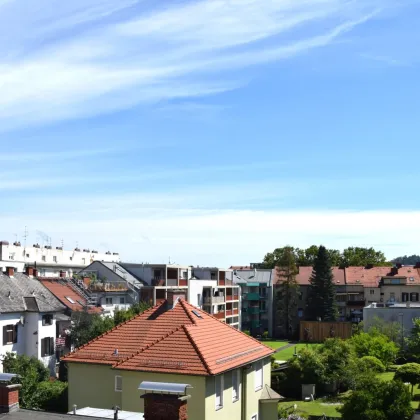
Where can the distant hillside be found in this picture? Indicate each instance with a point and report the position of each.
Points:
(407, 260)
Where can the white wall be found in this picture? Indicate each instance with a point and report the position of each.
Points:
(19, 347)
(12, 255)
(196, 287)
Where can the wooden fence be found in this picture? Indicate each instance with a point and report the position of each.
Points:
(317, 332)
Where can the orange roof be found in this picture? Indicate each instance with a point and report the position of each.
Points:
(63, 291)
(370, 277)
(305, 273)
(174, 340)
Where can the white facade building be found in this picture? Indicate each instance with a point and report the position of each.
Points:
(28, 318)
(50, 261)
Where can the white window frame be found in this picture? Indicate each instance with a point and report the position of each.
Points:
(218, 377)
(236, 374)
(258, 383)
(118, 378)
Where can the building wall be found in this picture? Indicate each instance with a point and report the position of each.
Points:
(94, 386)
(19, 347)
(387, 291)
(401, 315)
(45, 331)
(195, 287)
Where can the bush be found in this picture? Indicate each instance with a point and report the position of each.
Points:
(265, 335)
(409, 373)
(51, 396)
(247, 332)
(375, 344)
(371, 363)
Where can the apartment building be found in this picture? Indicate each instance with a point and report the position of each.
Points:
(257, 299)
(50, 261)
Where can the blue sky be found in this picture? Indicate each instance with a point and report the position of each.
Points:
(213, 131)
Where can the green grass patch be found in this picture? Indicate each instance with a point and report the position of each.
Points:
(289, 352)
(313, 408)
(275, 344)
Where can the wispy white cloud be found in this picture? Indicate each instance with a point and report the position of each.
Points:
(87, 57)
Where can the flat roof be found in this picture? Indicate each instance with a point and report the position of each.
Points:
(104, 413)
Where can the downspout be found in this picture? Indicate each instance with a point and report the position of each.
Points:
(243, 392)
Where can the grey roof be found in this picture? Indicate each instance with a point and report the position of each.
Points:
(15, 291)
(256, 276)
(42, 415)
(124, 273)
(268, 394)
(167, 387)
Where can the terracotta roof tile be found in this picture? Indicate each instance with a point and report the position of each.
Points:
(305, 274)
(62, 291)
(175, 339)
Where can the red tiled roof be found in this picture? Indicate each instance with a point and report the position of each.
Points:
(370, 277)
(61, 291)
(174, 340)
(305, 274)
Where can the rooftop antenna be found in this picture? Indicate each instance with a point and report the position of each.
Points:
(62, 244)
(25, 236)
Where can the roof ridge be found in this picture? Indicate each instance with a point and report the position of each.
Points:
(197, 350)
(230, 326)
(113, 329)
(182, 302)
(148, 346)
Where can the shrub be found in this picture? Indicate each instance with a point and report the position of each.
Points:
(372, 363)
(51, 396)
(265, 335)
(247, 332)
(409, 373)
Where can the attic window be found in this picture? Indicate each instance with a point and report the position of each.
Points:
(196, 314)
(70, 299)
(411, 278)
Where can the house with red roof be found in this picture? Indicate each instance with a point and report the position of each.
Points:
(228, 372)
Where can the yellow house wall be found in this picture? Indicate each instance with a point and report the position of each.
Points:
(94, 386)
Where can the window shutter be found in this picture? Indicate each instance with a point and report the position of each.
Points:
(15, 333)
(4, 335)
(43, 347)
(51, 345)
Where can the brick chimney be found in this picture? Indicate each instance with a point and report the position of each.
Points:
(10, 271)
(164, 407)
(9, 398)
(35, 272)
(173, 295)
(29, 271)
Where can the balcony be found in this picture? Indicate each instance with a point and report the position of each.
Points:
(360, 302)
(183, 282)
(253, 310)
(252, 296)
(232, 297)
(213, 300)
(219, 315)
(108, 287)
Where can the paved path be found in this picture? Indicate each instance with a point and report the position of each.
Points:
(286, 346)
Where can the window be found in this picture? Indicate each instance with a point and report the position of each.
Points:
(10, 334)
(212, 275)
(219, 391)
(54, 258)
(47, 346)
(372, 292)
(185, 275)
(118, 384)
(27, 255)
(47, 319)
(44, 258)
(83, 260)
(122, 300)
(71, 258)
(198, 299)
(392, 296)
(70, 299)
(300, 312)
(108, 300)
(414, 297)
(235, 385)
(156, 274)
(258, 375)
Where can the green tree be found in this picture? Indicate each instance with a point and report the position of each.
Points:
(372, 364)
(358, 256)
(123, 315)
(409, 373)
(31, 372)
(413, 341)
(51, 396)
(374, 344)
(407, 260)
(379, 400)
(321, 302)
(288, 292)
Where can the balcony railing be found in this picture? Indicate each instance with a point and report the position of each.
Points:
(359, 302)
(108, 287)
(252, 296)
(219, 315)
(232, 312)
(214, 299)
(183, 282)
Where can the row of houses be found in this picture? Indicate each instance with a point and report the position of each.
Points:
(356, 287)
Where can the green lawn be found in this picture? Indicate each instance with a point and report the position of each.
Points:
(314, 408)
(275, 344)
(289, 352)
